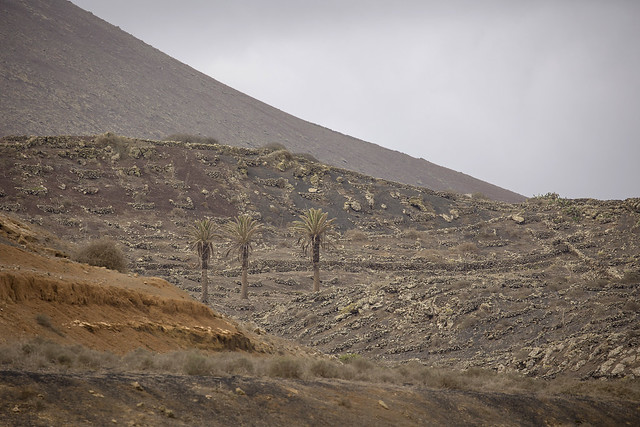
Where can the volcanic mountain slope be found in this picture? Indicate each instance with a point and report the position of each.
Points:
(548, 287)
(65, 71)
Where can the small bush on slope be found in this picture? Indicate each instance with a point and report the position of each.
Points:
(102, 253)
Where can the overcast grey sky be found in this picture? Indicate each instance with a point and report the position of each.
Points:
(535, 96)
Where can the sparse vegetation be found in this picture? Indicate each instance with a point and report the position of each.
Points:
(194, 139)
(46, 355)
(201, 240)
(119, 144)
(45, 321)
(102, 252)
(356, 235)
(242, 232)
(313, 229)
(456, 282)
(465, 248)
(274, 146)
(308, 157)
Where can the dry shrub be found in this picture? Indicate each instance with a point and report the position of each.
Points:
(274, 146)
(42, 354)
(119, 144)
(356, 235)
(332, 369)
(45, 321)
(411, 234)
(102, 253)
(307, 156)
(324, 369)
(430, 255)
(196, 364)
(360, 368)
(139, 360)
(232, 363)
(465, 248)
(279, 155)
(285, 367)
(39, 353)
(195, 139)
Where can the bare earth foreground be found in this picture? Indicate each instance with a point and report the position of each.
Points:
(30, 398)
(108, 311)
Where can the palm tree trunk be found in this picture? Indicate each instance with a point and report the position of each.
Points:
(205, 282)
(316, 277)
(245, 267)
(205, 286)
(316, 264)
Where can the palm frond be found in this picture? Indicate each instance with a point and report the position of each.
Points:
(241, 233)
(201, 236)
(313, 226)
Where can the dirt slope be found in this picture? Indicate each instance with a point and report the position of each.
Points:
(69, 302)
(65, 71)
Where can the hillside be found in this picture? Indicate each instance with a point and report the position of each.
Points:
(65, 71)
(503, 312)
(546, 287)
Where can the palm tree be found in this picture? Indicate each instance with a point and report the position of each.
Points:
(313, 230)
(241, 233)
(201, 240)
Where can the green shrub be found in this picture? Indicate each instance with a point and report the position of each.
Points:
(102, 253)
(349, 357)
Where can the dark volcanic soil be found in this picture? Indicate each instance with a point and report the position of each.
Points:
(42, 399)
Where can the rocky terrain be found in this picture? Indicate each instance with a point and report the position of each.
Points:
(84, 317)
(547, 287)
(67, 72)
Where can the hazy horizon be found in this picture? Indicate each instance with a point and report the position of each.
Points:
(534, 97)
